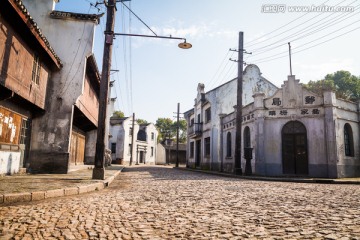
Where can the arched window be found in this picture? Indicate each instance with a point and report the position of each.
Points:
(247, 140)
(228, 144)
(348, 141)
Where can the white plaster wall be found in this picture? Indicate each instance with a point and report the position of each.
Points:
(9, 162)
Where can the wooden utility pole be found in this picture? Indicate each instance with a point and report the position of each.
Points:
(238, 170)
(99, 170)
(132, 140)
(177, 136)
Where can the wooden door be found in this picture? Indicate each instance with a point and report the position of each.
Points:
(294, 149)
(77, 148)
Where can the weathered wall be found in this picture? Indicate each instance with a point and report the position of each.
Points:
(73, 41)
(88, 102)
(9, 161)
(16, 65)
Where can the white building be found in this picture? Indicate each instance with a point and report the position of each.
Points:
(144, 146)
(204, 127)
(293, 132)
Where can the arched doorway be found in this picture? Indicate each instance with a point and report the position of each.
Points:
(294, 149)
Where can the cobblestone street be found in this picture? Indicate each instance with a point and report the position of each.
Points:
(166, 203)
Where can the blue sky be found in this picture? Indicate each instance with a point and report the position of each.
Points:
(154, 74)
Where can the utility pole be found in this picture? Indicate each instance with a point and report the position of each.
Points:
(132, 140)
(177, 136)
(238, 170)
(99, 170)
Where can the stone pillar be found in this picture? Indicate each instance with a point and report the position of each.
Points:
(330, 133)
(259, 148)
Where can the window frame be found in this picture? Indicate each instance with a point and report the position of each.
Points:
(207, 147)
(348, 141)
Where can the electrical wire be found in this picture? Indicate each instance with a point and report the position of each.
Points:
(262, 36)
(306, 29)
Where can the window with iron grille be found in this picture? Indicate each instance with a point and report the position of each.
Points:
(207, 146)
(36, 70)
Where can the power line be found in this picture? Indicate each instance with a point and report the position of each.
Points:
(261, 37)
(307, 29)
(265, 59)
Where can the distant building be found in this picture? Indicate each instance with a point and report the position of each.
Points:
(144, 149)
(167, 154)
(27, 62)
(293, 132)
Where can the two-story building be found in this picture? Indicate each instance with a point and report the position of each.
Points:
(204, 127)
(292, 131)
(27, 62)
(65, 135)
(140, 150)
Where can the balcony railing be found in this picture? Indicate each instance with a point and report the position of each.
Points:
(195, 129)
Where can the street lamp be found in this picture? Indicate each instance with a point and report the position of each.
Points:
(184, 45)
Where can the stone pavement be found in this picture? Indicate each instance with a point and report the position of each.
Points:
(166, 203)
(32, 187)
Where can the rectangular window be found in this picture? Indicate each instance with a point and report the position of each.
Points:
(207, 146)
(208, 115)
(129, 153)
(152, 136)
(36, 70)
(113, 147)
(152, 151)
(191, 122)
(23, 132)
(192, 149)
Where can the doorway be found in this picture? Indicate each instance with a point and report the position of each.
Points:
(294, 149)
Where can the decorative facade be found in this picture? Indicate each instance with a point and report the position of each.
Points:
(292, 132)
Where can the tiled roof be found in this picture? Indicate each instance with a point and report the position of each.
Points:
(78, 16)
(19, 4)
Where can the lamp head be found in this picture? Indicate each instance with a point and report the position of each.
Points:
(185, 45)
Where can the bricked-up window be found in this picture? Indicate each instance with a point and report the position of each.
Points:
(348, 140)
(208, 115)
(192, 149)
(10, 127)
(207, 146)
(36, 70)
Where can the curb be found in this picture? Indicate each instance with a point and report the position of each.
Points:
(41, 195)
(275, 179)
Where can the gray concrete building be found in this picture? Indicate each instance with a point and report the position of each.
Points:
(292, 131)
